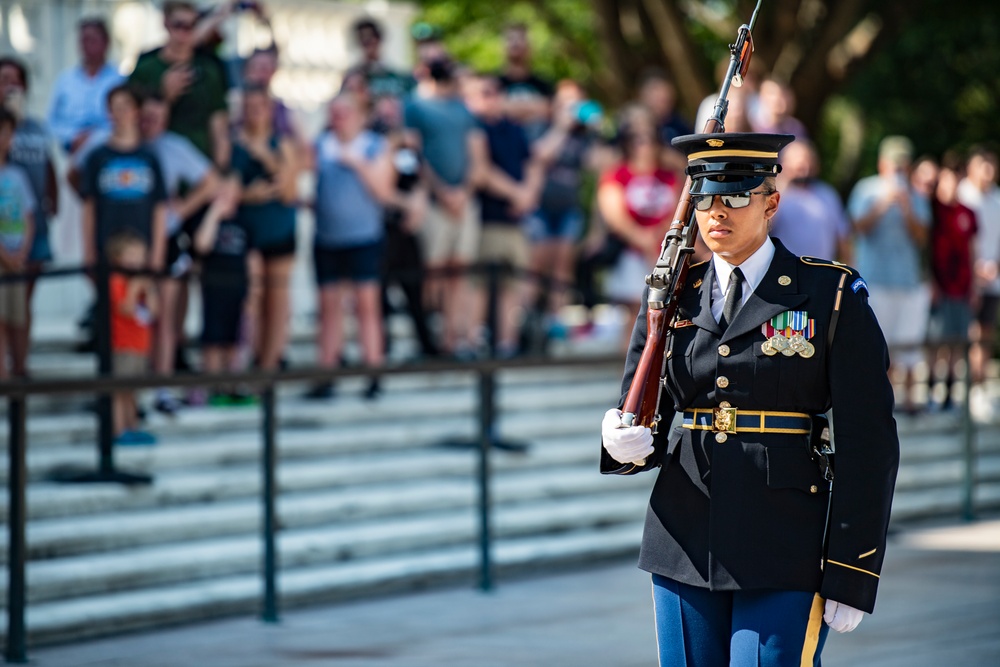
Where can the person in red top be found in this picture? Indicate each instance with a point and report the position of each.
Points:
(953, 234)
(133, 306)
(636, 199)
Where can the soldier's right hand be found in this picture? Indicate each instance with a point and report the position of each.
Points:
(631, 444)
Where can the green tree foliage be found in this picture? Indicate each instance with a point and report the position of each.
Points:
(937, 82)
(861, 69)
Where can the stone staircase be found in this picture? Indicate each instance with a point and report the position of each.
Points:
(370, 500)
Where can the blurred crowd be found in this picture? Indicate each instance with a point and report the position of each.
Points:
(188, 171)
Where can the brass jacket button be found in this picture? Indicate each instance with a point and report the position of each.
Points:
(813, 489)
(721, 437)
(722, 381)
(724, 350)
(725, 404)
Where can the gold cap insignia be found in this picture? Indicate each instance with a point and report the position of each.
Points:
(784, 280)
(715, 143)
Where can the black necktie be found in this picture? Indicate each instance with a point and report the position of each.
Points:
(734, 299)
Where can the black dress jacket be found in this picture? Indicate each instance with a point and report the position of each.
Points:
(751, 512)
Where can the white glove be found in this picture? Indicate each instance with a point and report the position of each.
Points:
(631, 444)
(841, 617)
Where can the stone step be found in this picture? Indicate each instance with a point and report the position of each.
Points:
(119, 612)
(202, 447)
(149, 567)
(59, 538)
(404, 397)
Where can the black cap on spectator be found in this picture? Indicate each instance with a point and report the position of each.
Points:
(425, 32)
(441, 69)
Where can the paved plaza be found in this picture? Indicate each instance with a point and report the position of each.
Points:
(939, 605)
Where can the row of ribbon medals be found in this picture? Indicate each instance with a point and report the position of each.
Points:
(789, 334)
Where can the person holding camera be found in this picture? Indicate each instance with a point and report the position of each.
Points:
(192, 83)
(891, 225)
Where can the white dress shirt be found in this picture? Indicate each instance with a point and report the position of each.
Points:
(753, 267)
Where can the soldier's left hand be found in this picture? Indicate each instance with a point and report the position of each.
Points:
(841, 617)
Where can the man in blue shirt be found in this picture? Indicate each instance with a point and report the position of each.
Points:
(891, 223)
(508, 193)
(78, 104)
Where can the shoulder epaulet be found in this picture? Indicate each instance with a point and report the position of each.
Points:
(815, 261)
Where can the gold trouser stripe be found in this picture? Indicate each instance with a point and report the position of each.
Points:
(812, 632)
(851, 567)
(732, 153)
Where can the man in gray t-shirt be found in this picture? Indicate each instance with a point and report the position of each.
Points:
(456, 155)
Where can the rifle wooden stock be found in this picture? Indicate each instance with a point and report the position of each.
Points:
(641, 406)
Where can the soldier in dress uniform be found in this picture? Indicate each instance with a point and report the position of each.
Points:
(752, 537)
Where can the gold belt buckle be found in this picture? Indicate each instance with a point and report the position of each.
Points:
(724, 419)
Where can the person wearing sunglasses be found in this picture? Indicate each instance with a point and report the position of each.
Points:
(757, 543)
(191, 81)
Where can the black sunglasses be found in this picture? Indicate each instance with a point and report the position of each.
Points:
(733, 200)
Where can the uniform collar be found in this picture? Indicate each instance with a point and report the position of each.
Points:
(772, 294)
(753, 267)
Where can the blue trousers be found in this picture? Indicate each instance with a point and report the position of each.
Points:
(696, 627)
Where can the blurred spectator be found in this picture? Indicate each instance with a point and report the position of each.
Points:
(403, 262)
(225, 244)
(891, 223)
(774, 111)
(527, 94)
(193, 83)
(382, 80)
(122, 185)
(185, 170)
(811, 220)
(17, 226)
(31, 149)
(355, 178)
(566, 151)
(658, 95)
(637, 199)
(743, 100)
(77, 107)
(979, 191)
(258, 72)
(429, 48)
(508, 193)
(133, 304)
(356, 84)
(924, 177)
(952, 239)
(455, 153)
(268, 167)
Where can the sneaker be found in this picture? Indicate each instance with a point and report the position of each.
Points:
(135, 438)
(196, 397)
(373, 390)
(242, 398)
(217, 400)
(320, 391)
(167, 404)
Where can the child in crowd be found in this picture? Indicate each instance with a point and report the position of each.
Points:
(133, 305)
(224, 243)
(17, 207)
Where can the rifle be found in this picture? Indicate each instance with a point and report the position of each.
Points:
(666, 282)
